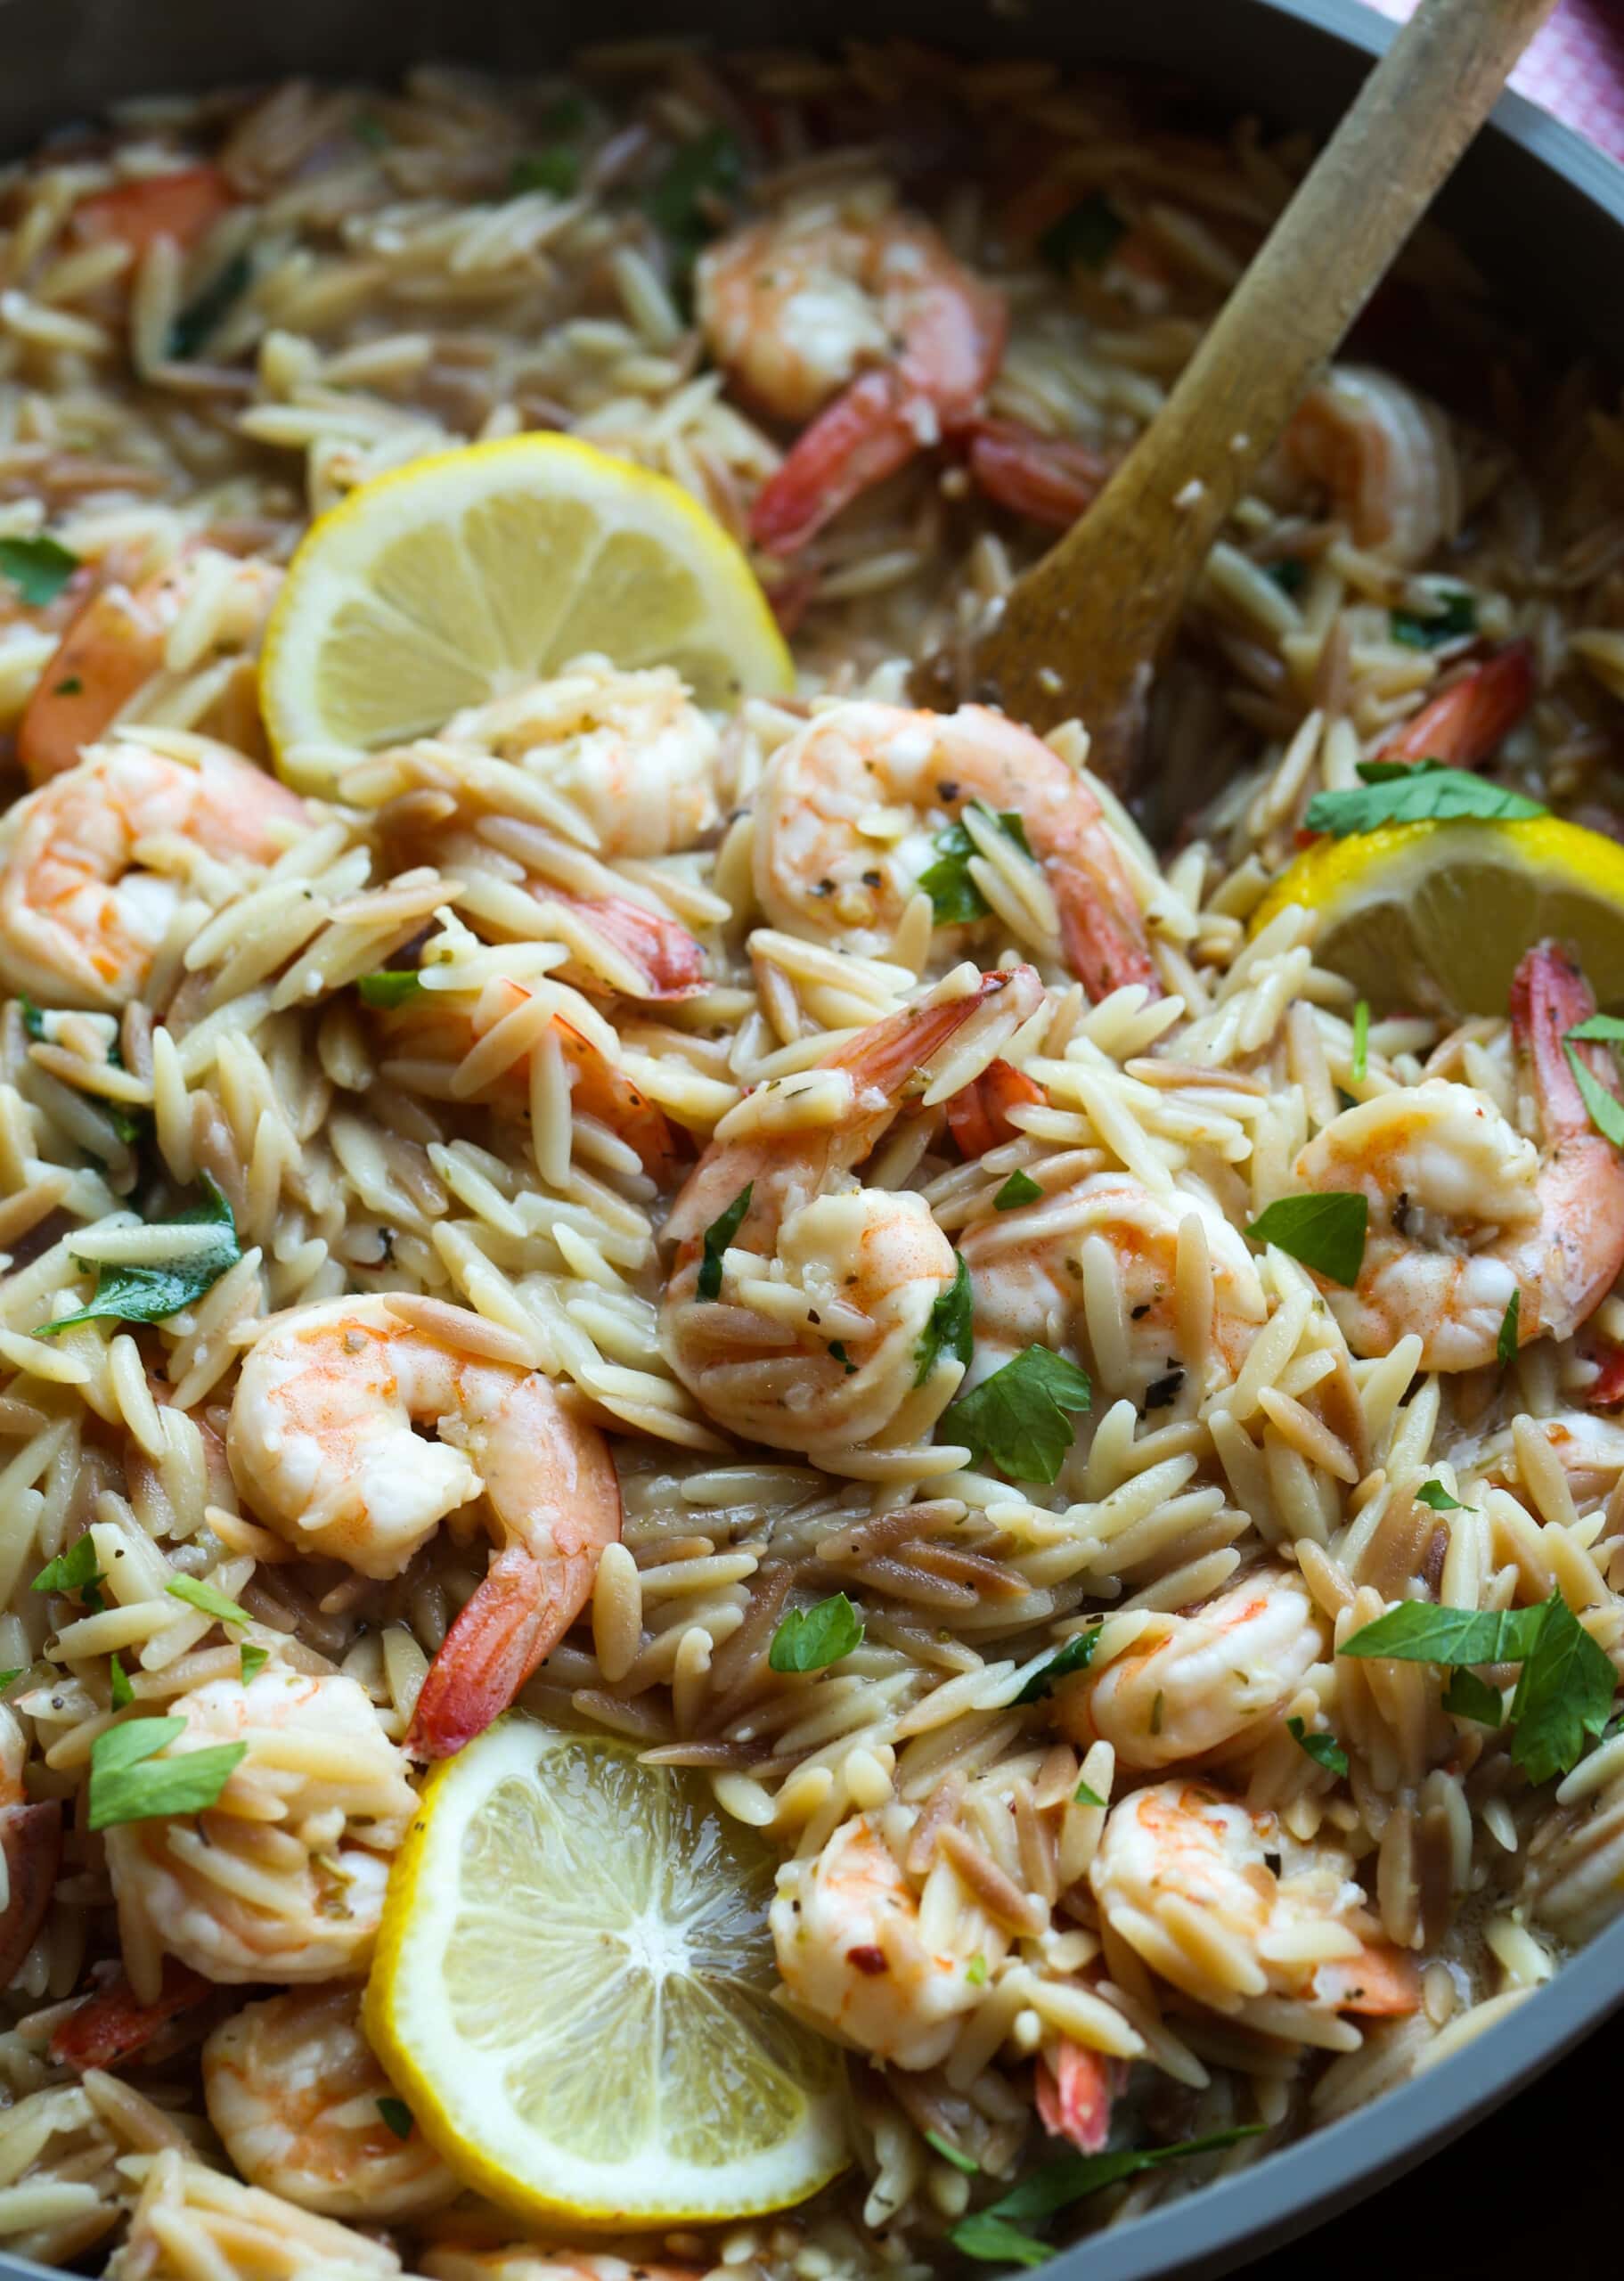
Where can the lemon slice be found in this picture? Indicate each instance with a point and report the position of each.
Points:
(573, 1988)
(463, 577)
(1434, 917)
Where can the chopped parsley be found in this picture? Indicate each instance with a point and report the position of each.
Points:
(955, 899)
(128, 1782)
(39, 568)
(718, 1235)
(1020, 1419)
(1396, 791)
(1325, 1230)
(947, 1328)
(153, 1291)
(810, 1639)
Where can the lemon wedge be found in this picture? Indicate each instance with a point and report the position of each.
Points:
(572, 1988)
(1434, 917)
(463, 577)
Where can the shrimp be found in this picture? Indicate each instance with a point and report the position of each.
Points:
(851, 807)
(117, 642)
(810, 1341)
(1209, 1681)
(1467, 722)
(1465, 1214)
(1096, 1266)
(324, 1442)
(282, 1879)
(1383, 454)
(295, 2093)
(871, 325)
(861, 1956)
(1223, 1903)
(80, 918)
(30, 1847)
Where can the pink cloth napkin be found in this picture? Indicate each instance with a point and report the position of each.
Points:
(1574, 67)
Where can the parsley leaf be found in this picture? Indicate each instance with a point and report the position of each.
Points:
(1563, 1696)
(718, 1235)
(1361, 1040)
(1434, 1493)
(129, 1783)
(152, 1292)
(950, 2154)
(1456, 616)
(1399, 792)
(1075, 1655)
(390, 987)
(39, 568)
(1324, 1750)
(682, 199)
(1084, 1796)
(192, 328)
(955, 899)
(1020, 1188)
(118, 1679)
(397, 2114)
(254, 1660)
(1325, 1230)
(1468, 1696)
(1088, 232)
(558, 170)
(1017, 1419)
(205, 1598)
(947, 1328)
(1420, 1632)
(73, 1570)
(1505, 1343)
(810, 1639)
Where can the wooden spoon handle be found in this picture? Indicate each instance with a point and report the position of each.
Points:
(1081, 629)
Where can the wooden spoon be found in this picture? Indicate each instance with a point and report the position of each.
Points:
(1081, 630)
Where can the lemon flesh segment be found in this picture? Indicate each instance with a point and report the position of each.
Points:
(471, 575)
(573, 1990)
(1433, 918)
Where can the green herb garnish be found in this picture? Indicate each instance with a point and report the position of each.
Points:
(1019, 1419)
(1393, 791)
(1325, 1230)
(947, 1328)
(129, 1783)
(718, 1235)
(151, 1293)
(39, 568)
(810, 1639)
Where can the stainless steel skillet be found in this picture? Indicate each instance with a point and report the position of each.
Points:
(1541, 212)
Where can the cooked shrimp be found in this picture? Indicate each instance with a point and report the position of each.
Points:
(1205, 1683)
(30, 1847)
(1225, 1905)
(1094, 1267)
(810, 1342)
(324, 1443)
(1466, 722)
(80, 920)
(861, 1955)
(871, 325)
(282, 1877)
(1464, 1213)
(1384, 456)
(296, 2095)
(117, 644)
(851, 805)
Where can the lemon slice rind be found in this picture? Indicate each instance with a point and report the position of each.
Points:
(529, 2005)
(472, 573)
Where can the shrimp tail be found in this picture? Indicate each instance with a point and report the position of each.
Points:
(1075, 2095)
(1471, 719)
(1050, 479)
(1549, 997)
(512, 1622)
(978, 1114)
(31, 1841)
(869, 431)
(111, 2024)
